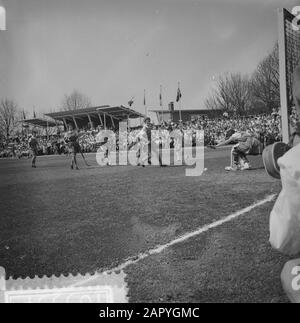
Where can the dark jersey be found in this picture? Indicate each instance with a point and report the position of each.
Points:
(71, 136)
(33, 143)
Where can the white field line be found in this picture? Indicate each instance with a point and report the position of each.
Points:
(158, 249)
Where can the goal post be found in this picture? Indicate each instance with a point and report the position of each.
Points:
(289, 58)
(2, 18)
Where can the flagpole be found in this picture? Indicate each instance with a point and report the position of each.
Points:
(161, 104)
(23, 126)
(179, 102)
(47, 130)
(145, 106)
(180, 111)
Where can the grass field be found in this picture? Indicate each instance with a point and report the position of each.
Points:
(54, 220)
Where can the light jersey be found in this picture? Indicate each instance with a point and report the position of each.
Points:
(178, 138)
(240, 136)
(145, 135)
(11, 146)
(249, 143)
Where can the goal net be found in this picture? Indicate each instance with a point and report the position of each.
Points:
(289, 58)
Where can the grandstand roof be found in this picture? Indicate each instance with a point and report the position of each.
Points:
(39, 122)
(118, 112)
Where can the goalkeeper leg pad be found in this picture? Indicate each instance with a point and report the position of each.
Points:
(270, 156)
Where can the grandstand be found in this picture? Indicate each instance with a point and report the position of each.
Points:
(44, 126)
(105, 116)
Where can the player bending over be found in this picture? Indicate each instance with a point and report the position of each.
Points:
(247, 144)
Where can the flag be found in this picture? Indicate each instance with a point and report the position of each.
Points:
(130, 102)
(178, 97)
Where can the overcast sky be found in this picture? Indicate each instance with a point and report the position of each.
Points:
(111, 50)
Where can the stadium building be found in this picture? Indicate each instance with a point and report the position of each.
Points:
(105, 116)
(184, 114)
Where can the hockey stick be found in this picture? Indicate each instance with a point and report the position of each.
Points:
(211, 146)
(82, 155)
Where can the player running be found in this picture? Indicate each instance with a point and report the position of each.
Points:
(33, 145)
(247, 144)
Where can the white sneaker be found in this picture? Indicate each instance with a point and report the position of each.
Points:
(231, 168)
(246, 166)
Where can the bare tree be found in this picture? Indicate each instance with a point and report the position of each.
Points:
(265, 81)
(8, 117)
(75, 101)
(240, 92)
(233, 94)
(220, 97)
(211, 102)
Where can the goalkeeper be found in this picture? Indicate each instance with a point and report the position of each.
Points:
(246, 144)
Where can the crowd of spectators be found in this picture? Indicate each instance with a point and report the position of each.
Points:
(267, 127)
(18, 146)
